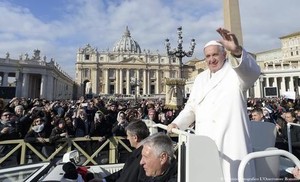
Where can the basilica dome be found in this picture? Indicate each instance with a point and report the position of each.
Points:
(126, 44)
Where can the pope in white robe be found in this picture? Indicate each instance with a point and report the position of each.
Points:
(217, 102)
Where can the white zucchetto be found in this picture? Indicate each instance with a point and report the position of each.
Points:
(212, 42)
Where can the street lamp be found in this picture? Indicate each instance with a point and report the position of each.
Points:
(179, 53)
(135, 83)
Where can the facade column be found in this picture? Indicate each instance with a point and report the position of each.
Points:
(282, 85)
(117, 81)
(95, 81)
(25, 84)
(149, 82)
(81, 89)
(291, 84)
(127, 82)
(158, 82)
(275, 82)
(138, 81)
(296, 86)
(144, 82)
(5, 79)
(267, 82)
(257, 89)
(56, 88)
(105, 81)
(43, 86)
(121, 81)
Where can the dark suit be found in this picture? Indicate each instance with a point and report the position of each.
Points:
(132, 171)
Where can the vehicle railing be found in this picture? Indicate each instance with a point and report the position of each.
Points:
(261, 154)
(289, 135)
(182, 139)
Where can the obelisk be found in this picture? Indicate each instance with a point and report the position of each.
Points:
(232, 18)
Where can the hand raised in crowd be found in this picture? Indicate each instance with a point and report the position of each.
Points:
(101, 139)
(64, 134)
(41, 140)
(5, 130)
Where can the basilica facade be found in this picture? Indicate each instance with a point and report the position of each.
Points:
(126, 70)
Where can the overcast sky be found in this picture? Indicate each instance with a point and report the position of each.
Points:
(58, 28)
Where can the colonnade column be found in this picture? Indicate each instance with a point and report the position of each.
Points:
(5, 79)
(50, 87)
(43, 87)
(18, 85)
(25, 85)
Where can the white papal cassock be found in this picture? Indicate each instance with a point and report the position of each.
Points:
(217, 104)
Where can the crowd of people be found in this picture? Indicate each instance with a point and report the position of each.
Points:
(36, 120)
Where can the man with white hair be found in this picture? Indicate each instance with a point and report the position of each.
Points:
(217, 103)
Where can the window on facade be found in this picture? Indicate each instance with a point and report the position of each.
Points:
(172, 74)
(174, 60)
(297, 53)
(101, 58)
(291, 53)
(86, 73)
(111, 89)
(111, 73)
(152, 74)
(87, 57)
(152, 89)
(132, 73)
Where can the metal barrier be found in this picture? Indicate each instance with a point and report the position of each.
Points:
(66, 145)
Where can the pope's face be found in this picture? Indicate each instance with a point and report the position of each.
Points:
(214, 57)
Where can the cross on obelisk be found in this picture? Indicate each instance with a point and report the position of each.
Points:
(232, 19)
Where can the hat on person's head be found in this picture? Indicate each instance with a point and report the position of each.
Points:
(61, 121)
(6, 112)
(212, 42)
(70, 171)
